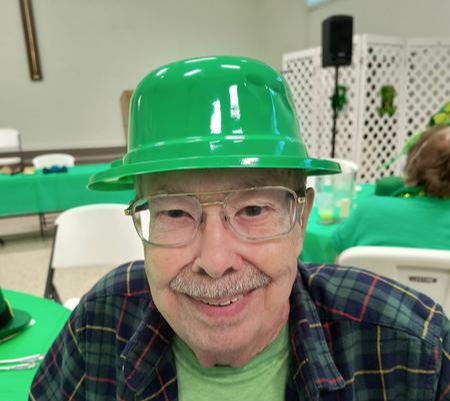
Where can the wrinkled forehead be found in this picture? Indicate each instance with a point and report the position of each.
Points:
(210, 180)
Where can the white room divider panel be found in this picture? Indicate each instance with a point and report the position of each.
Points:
(418, 70)
(427, 80)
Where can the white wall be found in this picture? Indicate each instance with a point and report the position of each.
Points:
(282, 29)
(401, 18)
(91, 50)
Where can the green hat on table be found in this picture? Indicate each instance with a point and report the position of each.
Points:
(12, 320)
(211, 112)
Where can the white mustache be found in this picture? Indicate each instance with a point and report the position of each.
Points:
(202, 286)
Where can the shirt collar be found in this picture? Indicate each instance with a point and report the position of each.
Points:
(314, 369)
(147, 350)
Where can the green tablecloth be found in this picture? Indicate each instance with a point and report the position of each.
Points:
(42, 193)
(318, 246)
(36, 339)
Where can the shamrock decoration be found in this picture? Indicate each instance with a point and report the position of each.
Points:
(339, 99)
(387, 93)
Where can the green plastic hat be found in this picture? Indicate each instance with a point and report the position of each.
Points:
(11, 320)
(211, 112)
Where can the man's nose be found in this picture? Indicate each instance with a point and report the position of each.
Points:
(217, 253)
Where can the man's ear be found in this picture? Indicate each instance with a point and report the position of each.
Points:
(307, 208)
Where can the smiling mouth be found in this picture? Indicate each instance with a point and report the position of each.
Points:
(220, 302)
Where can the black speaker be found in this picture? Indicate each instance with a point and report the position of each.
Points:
(337, 35)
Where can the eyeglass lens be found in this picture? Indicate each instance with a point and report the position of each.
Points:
(253, 214)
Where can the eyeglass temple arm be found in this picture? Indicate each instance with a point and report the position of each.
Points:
(129, 210)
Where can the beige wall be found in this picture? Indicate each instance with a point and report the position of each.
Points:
(283, 28)
(91, 50)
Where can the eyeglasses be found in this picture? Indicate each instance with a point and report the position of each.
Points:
(252, 213)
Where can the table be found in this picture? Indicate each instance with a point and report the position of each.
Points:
(23, 194)
(36, 339)
(318, 246)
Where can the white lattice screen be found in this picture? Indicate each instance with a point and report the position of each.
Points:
(418, 69)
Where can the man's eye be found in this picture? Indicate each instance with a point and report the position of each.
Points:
(176, 213)
(252, 211)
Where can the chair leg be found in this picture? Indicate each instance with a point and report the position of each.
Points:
(42, 224)
(50, 289)
(54, 295)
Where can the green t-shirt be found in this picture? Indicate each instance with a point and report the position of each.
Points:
(263, 378)
(416, 222)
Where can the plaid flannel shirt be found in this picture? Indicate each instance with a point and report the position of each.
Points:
(354, 336)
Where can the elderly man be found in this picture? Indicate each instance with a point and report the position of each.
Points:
(221, 309)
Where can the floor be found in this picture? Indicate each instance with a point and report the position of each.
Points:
(24, 260)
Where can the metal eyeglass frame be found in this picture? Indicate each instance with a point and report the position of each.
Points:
(298, 200)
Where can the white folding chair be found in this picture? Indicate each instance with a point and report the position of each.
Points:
(93, 236)
(48, 160)
(10, 143)
(425, 270)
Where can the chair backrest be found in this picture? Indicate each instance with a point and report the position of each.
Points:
(48, 160)
(95, 236)
(425, 270)
(9, 140)
(10, 143)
